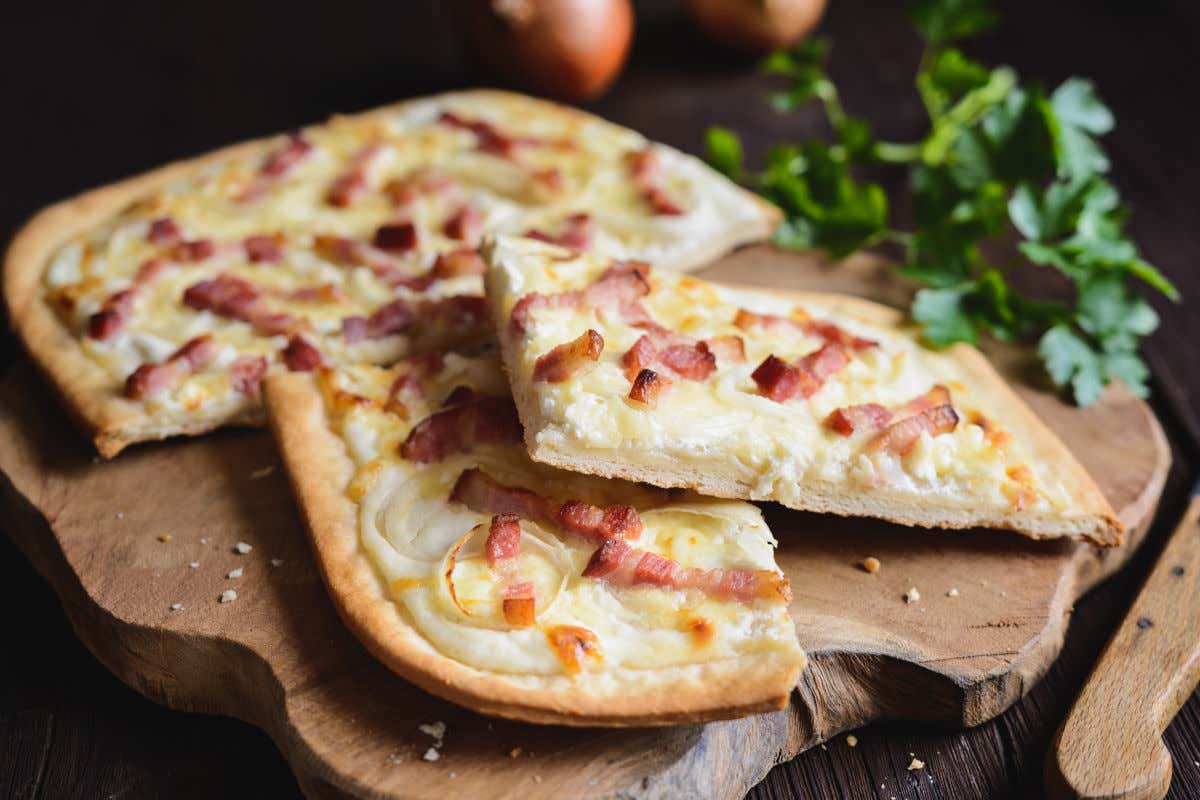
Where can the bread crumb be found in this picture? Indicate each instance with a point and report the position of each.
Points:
(871, 564)
(437, 730)
(952, 593)
(514, 753)
(203, 540)
(262, 473)
(912, 595)
(823, 747)
(241, 548)
(537, 778)
(852, 740)
(234, 574)
(276, 562)
(431, 755)
(176, 606)
(453, 775)
(227, 596)
(120, 515)
(194, 565)
(916, 763)
(164, 537)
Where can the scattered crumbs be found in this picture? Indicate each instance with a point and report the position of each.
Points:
(952, 593)
(852, 740)
(912, 595)
(227, 596)
(164, 537)
(194, 565)
(453, 775)
(241, 548)
(176, 606)
(276, 562)
(916, 763)
(823, 747)
(203, 541)
(234, 574)
(437, 730)
(537, 778)
(431, 754)
(871, 564)
(120, 515)
(262, 473)
(514, 753)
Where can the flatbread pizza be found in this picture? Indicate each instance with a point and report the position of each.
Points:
(819, 402)
(157, 305)
(518, 589)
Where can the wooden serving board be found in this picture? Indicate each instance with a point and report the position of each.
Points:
(279, 658)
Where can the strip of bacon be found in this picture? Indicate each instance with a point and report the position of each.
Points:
(300, 355)
(730, 349)
(776, 379)
(112, 316)
(612, 528)
(576, 233)
(489, 139)
(263, 248)
(246, 374)
(484, 421)
(818, 366)
(569, 359)
(420, 183)
(348, 187)
(619, 287)
(456, 263)
(900, 437)
(277, 165)
(164, 232)
(457, 314)
(397, 237)
(235, 298)
(504, 541)
(503, 548)
(465, 224)
(347, 252)
(150, 379)
(648, 386)
(939, 395)
(780, 381)
(408, 387)
(750, 321)
(646, 169)
(866, 416)
(388, 320)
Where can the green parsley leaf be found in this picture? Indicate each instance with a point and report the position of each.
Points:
(1070, 360)
(942, 315)
(724, 151)
(1074, 115)
(941, 21)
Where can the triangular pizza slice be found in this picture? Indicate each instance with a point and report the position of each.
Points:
(820, 402)
(518, 589)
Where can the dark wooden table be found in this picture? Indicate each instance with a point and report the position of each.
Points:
(93, 94)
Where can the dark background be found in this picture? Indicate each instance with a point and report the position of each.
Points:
(96, 92)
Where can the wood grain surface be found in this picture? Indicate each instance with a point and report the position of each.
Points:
(140, 548)
(103, 91)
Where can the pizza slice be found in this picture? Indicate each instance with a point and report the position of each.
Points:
(158, 304)
(819, 402)
(514, 588)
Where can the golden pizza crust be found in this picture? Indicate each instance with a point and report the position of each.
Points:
(319, 469)
(1098, 523)
(111, 421)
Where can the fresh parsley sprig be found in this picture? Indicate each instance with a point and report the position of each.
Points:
(1001, 156)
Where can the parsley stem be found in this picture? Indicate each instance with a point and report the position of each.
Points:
(897, 152)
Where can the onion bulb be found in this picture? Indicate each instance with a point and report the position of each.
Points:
(570, 49)
(757, 26)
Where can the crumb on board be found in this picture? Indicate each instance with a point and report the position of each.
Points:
(916, 764)
(227, 596)
(823, 747)
(276, 562)
(453, 775)
(514, 753)
(431, 754)
(203, 540)
(852, 740)
(176, 606)
(436, 730)
(234, 574)
(194, 565)
(164, 537)
(120, 515)
(241, 548)
(912, 595)
(871, 564)
(262, 473)
(953, 592)
(537, 778)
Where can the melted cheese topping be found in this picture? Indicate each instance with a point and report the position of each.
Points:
(594, 176)
(410, 530)
(722, 425)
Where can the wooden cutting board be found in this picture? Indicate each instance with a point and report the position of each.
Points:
(279, 658)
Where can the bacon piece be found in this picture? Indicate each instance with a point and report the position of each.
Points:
(598, 524)
(576, 234)
(322, 293)
(489, 138)
(519, 604)
(833, 334)
(573, 644)
(750, 320)
(694, 362)
(300, 355)
(727, 348)
(648, 386)
(235, 298)
(777, 380)
(460, 395)
(191, 252)
(397, 237)
(347, 252)
(352, 184)
(112, 316)
(819, 365)
(485, 421)
(619, 287)
(408, 387)
(570, 358)
(164, 232)
(465, 224)
(283, 160)
(150, 379)
(646, 169)
(455, 315)
(610, 556)
(504, 540)
(939, 395)
(464, 261)
(480, 492)
(263, 248)
(393, 318)
(902, 436)
(864, 417)
(421, 182)
(246, 374)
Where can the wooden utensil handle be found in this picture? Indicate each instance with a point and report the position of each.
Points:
(1110, 745)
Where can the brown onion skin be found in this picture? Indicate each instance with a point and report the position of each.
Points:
(757, 26)
(567, 49)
